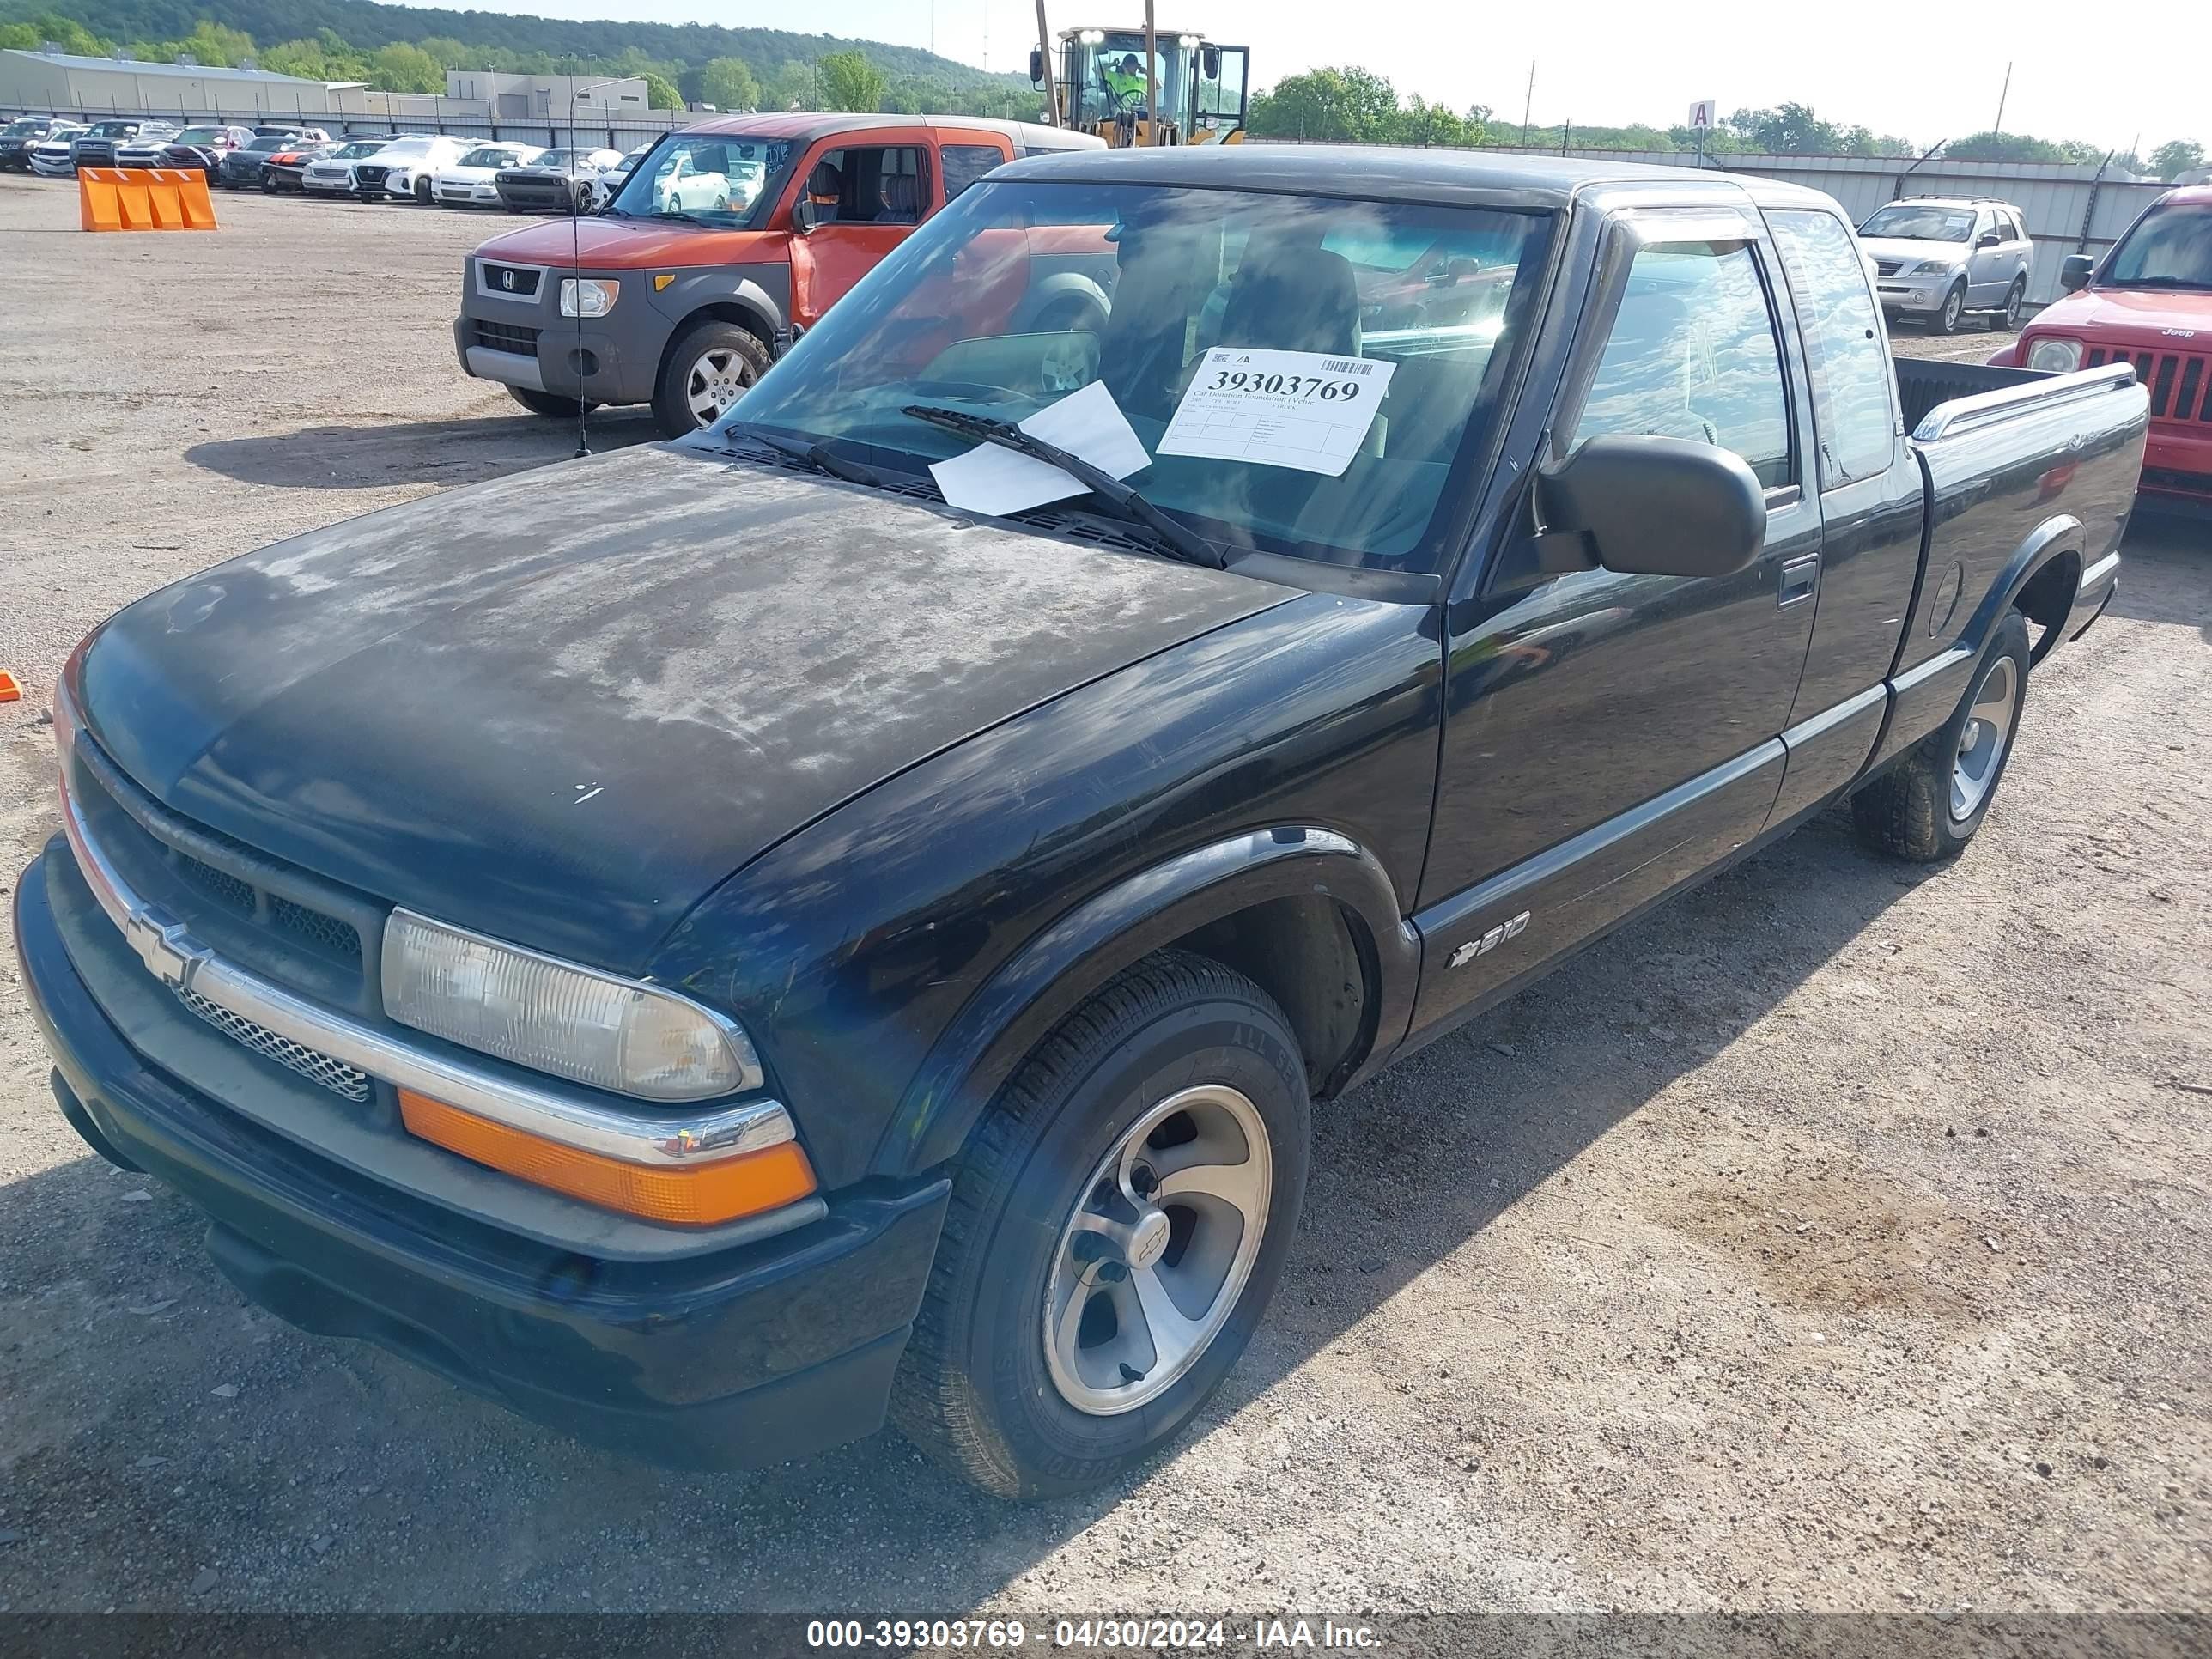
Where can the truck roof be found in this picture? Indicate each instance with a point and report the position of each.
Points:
(1390, 173)
(805, 126)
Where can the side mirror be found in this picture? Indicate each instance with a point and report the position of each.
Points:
(1655, 506)
(2074, 275)
(803, 216)
(1209, 62)
(1990, 239)
(1037, 66)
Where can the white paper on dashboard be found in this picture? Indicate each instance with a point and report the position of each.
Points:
(1305, 409)
(993, 480)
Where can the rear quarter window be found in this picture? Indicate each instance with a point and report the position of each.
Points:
(966, 163)
(1846, 351)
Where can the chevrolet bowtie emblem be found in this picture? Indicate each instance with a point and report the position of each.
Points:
(171, 954)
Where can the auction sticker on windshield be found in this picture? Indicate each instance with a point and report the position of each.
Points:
(1300, 409)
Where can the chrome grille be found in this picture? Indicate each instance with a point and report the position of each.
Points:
(335, 1075)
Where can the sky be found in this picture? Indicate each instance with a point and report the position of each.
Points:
(1615, 62)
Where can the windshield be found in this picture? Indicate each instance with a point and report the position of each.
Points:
(718, 180)
(1921, 224)
(491, 157)
(18, 129)
(112, 129)
(352, 152)
(199, 135)
(270, 145)
(2169, 247)
(1326, 365)
(556, 158)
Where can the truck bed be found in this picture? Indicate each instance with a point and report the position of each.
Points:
(1925, 383)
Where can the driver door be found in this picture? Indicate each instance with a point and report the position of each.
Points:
(865, 199)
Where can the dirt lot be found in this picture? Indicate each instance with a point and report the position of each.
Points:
(1837, 1239)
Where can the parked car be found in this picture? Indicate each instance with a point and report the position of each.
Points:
(2148, 302)
(20, 136)
(472, 179)
(557, 181)
(55, 155)
(282, 171)
(200, 148)
(98, 144)
(403, 169)
(848, 951)
(1937, 258)
(151, 147)
(291, 129)
(332, 174)
(605, 187)
(241, 168)
(763, 221)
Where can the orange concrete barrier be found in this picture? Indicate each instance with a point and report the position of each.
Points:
(149, 199)
(10, 690)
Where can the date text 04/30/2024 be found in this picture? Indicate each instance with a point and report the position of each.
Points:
(1163, 1634)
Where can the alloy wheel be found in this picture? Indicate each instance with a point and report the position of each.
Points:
(717, 379)
(1162, 1239)
(1983, 742)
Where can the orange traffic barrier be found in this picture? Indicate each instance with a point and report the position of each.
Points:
(11, 690)
(148, 198)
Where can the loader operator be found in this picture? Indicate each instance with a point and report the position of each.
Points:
(1126, 82)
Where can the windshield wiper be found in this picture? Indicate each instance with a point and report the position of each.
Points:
(1128, 505)
(820, 459)
(2185, 283)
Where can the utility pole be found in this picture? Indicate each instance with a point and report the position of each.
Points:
(1152, 91)
(1527, 108)
(2003, 98)
(1044, 48)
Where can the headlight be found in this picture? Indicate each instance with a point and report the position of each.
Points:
(2059, 356)
(616, 1034)
(587, 296)
(1931, 268)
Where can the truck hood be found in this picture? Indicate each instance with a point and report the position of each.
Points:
(560, 707)
(605, 244)
(1911, 248)
(2140, 316)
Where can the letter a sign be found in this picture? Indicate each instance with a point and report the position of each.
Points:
(1702, 114)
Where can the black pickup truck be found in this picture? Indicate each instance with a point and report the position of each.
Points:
(714, 943)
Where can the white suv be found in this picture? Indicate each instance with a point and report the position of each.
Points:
(406, 167)
(1937, 258)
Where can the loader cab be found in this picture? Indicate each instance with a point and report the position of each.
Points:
(1202, 88)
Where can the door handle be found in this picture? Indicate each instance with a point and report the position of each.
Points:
(1800, 576)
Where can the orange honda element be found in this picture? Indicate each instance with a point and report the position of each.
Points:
(726, 241)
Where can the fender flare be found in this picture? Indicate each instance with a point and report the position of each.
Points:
(1072, 957)
(2052, 540)
(760, 311)
(1059, 286)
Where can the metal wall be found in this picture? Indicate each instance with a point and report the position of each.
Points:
(2069, 207)
(623, 134)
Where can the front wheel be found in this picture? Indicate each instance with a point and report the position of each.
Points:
(1946, 320)
(1118, 1224)
(1929, 806)
(422, 192)
(709, 369)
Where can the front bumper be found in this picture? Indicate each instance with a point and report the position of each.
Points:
(2178, 464)
(751, 1355)
(466, 195)
(1915, 296)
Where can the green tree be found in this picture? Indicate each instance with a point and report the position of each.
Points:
(661, 92)
(211, 43)
(850, 81)
(66, 33)
(402, 68)
(1343, 106)
(2175, 157)
(791, 87)
(1423, 123)
(728, 83)
(2006, 147)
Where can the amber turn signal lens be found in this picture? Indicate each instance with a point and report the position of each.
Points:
(698, 1195)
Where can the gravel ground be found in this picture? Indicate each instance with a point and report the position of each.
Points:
(1836, 1239)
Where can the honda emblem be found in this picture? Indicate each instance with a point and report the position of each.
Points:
(507, 279)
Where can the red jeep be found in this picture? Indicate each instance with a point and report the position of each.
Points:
(2148, 301)
(725, 241)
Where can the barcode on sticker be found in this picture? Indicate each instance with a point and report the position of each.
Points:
(1336, 366)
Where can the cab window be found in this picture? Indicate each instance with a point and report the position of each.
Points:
(1692, 354)
(870, 184)
(1845, 350)
(965, 163)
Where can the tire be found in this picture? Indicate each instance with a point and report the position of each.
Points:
(678, 400)
(2008, 320)
(1953, 311)
(269, 185)
(551, 405)
(980, 1387)
(423, 192)
(1922, 808)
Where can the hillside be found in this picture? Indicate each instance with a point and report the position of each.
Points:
(351, 35)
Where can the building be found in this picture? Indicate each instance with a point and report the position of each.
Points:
(62, 80)
(548, 97)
